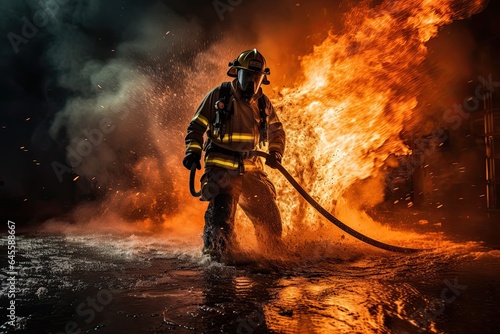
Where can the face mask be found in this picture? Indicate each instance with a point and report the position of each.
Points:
(249, 81)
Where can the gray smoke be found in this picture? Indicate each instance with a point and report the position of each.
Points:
(132, 87)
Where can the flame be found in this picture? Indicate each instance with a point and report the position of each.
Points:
(356, 93)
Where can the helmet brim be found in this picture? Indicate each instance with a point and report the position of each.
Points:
(232, 72)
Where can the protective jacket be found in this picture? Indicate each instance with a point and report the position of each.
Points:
(241, 130)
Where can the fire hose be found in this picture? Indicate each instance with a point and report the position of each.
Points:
(318, 207)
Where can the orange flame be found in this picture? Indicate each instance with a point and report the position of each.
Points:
(343, 118)
(357, 92)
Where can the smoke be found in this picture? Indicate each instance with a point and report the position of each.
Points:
(131, 89)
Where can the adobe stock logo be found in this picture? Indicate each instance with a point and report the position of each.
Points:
(424, 316)
(29, 29)
(456, 115)
(221, 6)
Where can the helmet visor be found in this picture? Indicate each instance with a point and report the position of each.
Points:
(250, 81)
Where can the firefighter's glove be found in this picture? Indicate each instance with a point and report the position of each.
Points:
(273, 159)
(190, 159)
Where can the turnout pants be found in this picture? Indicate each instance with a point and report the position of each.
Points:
(253, 192)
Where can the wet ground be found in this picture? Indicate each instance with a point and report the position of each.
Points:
(105, 283)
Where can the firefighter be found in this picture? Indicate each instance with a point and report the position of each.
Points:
(237, 118)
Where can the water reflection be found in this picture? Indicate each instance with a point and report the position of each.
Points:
(329, 305)
(234, 300)
(379, 294)
(159, 291)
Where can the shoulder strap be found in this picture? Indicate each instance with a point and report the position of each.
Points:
(225, 91)
(263, 106)
(222, 113)
(263, 127)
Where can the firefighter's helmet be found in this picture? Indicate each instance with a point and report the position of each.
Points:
(250, 69)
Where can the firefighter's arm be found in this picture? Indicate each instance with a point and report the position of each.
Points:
(195, 131)
(276, 134)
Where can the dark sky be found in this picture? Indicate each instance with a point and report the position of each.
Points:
(50, 71)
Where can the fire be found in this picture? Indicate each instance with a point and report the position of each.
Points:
(358, 91)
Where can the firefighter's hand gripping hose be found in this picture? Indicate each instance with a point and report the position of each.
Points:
(191, 182)
(319, 208)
